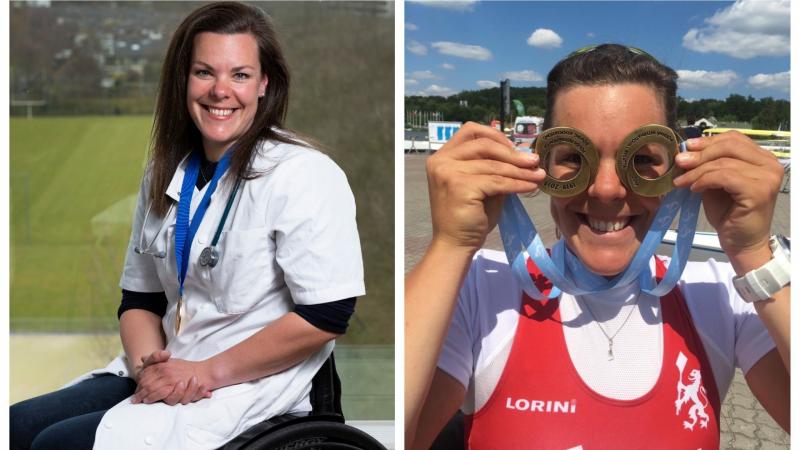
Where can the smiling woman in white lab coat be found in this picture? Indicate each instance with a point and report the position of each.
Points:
(243, 264)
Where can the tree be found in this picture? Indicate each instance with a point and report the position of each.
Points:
(772, 114)
(535, 110)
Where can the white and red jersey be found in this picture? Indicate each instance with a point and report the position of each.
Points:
(541, 401)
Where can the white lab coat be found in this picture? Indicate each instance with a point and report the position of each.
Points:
(290, 238)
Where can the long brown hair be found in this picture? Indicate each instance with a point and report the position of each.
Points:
(174, 134)
(612, 64)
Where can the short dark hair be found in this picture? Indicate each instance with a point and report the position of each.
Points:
(174, 133)
(613, 64)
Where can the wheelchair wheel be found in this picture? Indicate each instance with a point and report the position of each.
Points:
(320, 435)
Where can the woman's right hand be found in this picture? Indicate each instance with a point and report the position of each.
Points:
(468, 179)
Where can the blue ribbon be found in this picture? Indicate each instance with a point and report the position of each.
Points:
(568, 274)
(185, 231)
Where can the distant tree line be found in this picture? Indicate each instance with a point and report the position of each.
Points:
(765, 113)
(484, 105)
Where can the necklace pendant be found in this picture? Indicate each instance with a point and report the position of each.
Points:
(610, 350)
(178, 316)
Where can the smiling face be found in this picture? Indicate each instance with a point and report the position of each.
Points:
(224, 87)
(605, 224)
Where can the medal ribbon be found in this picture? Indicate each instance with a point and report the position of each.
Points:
(184, 230)
(569, 274)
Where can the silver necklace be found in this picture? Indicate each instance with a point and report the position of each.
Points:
(202, 174)
(611, 338)
(203, 169)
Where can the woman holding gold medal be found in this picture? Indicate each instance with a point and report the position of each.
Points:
(243, 264)
(597, 343)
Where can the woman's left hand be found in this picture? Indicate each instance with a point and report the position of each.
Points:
(740, 183)
(172, 380)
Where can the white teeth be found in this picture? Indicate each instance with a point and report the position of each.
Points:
(601, 225)
(220, 112)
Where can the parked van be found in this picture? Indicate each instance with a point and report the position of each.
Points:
(526, 128)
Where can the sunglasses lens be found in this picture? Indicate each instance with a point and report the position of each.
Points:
(652, 160)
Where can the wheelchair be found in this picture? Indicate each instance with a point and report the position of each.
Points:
(322, 428)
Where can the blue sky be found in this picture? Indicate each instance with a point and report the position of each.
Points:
(718, 48)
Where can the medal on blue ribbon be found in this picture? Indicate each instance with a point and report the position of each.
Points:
(186, 230)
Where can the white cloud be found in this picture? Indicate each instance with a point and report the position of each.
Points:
(411, 82)
(485, 84)
(778, 81)
(755, 16)
(435, 89)
(411, 27)
(460, 5)
(424, 75)
(522, 75)
(463, 50)
(448, 66)
(744, 30)
(703, 79)
(545, 38)
(417, 48)
(590, 34)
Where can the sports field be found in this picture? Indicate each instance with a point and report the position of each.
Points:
(71, 186)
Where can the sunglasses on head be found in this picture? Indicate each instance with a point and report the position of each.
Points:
(591, 48)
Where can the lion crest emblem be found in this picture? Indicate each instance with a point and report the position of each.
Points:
(691, 394)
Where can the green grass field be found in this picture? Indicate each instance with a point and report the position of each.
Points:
(65, 172)
(73, 182)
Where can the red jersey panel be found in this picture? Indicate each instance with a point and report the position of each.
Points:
(541, 402)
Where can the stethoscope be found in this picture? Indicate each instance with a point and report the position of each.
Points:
(209, 257)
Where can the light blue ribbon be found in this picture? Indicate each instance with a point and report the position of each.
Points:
(568, 274)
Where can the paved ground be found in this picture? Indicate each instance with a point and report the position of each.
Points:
(744, 424)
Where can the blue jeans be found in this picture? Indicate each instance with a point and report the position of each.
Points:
(67, 418)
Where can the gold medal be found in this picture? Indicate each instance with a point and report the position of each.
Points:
(178, 315)
(644, 161)
(568, 158)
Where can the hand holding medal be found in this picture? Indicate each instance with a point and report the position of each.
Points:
(468, 178)
(739, 182)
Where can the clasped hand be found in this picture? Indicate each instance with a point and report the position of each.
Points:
(171, 380)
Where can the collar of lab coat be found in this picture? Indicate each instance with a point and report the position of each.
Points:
(261, 162)
(174, 188)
